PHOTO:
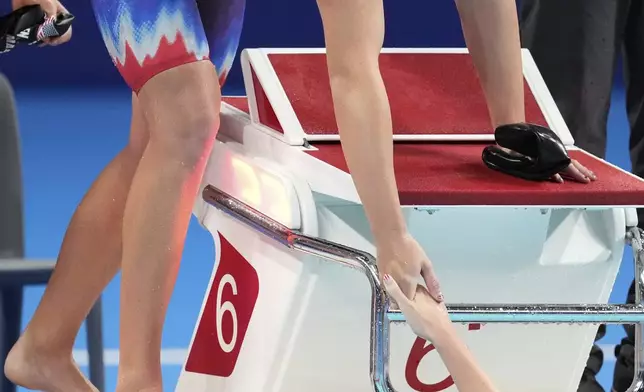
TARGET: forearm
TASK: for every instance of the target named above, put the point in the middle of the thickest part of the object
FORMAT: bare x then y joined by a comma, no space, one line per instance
491,30
461,364
364,121
354,33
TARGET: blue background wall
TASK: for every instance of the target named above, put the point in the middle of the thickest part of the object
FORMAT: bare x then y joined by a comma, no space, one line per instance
269,23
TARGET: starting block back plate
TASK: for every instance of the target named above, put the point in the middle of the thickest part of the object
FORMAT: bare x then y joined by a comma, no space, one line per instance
434,94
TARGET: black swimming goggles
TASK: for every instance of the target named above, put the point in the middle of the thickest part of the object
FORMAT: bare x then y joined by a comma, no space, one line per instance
29,25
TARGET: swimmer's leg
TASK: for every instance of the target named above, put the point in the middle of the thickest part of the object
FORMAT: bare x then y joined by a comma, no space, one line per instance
89,258
491,29
180,95
181,106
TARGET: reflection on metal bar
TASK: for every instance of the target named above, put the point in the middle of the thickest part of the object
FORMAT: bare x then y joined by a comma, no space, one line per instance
537,313
382,316
379,334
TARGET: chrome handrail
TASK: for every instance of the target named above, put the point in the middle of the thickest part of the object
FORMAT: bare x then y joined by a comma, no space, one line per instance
382,315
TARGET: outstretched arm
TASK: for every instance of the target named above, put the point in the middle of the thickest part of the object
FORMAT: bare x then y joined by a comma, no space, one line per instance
491,30
459,361
354,33
430,321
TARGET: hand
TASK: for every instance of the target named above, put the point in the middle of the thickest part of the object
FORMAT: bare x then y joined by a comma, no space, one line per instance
404,259
574,172
426,317
51,8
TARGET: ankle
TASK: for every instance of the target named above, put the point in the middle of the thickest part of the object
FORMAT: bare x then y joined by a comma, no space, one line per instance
139,382
132,377
34,344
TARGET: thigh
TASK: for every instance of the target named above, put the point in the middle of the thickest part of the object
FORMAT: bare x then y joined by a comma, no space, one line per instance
574,44
353,34
147,37
222,22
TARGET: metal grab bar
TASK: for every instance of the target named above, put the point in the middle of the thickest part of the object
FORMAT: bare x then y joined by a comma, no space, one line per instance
382,315
539,313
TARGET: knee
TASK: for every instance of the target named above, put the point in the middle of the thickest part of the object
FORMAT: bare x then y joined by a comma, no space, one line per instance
195,135
192,141
351,73
348,68
182,114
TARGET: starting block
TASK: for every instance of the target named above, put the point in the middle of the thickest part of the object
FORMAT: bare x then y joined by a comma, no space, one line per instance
294,301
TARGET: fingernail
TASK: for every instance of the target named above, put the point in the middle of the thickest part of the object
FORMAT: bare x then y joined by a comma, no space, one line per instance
387,278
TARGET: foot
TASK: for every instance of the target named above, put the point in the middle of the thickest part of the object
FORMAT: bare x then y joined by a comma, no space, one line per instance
32,369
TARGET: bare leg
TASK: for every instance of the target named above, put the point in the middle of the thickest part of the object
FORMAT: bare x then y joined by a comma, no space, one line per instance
354,33
181,106
491,29
89,258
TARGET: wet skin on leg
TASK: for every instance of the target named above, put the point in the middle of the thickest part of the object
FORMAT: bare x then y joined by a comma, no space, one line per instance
89,258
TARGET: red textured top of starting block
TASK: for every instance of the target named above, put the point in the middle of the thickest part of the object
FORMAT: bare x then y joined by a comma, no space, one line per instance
430,93
240,103
454,174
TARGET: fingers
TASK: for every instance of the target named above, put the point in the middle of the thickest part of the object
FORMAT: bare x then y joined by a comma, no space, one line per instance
431,281
395,292
408,287
60,40
576,172
55,41
585,171
572,172
51,8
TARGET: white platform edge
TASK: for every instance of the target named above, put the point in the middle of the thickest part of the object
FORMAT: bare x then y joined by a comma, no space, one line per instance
255,61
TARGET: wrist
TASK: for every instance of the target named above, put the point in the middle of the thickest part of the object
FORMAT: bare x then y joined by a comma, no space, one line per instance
391,238
442,334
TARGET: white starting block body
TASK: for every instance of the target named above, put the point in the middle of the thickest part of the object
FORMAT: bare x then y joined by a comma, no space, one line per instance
279,320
